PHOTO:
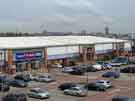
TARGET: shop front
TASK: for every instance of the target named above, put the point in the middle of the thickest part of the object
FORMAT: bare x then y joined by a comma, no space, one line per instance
63,59
2,60
88,53
26,60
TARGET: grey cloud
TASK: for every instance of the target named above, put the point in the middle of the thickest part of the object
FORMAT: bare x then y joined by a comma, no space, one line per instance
67,15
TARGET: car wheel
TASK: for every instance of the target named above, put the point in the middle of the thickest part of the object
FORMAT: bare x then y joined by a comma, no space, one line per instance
65,93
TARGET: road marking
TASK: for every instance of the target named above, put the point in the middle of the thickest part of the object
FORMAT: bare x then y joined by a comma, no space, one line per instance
52,83
123,87
114,91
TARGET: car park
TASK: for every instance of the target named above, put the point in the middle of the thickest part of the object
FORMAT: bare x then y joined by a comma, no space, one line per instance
38,93
15,97
122,98
76,91
66,85
47,77
111,74
18,83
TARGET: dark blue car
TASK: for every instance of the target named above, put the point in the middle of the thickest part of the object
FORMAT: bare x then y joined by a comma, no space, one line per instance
122,98
111,74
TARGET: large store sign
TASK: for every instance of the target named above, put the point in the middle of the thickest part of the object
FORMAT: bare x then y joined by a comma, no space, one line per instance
28,55
62,56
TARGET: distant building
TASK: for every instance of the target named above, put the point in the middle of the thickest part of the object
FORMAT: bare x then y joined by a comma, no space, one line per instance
106,30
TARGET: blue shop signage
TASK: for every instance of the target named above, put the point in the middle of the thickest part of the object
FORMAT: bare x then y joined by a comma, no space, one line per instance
19,56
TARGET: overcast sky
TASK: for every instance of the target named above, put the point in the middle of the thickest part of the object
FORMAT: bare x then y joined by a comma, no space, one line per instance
67,15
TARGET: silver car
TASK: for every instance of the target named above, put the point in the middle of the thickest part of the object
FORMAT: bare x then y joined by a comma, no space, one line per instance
38,93
104,83
76,91
45,78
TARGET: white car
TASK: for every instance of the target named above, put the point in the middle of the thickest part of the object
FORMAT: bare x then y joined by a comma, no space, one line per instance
107,66
38,93
104,83
67,69
57,65
45,78
97,66
76,91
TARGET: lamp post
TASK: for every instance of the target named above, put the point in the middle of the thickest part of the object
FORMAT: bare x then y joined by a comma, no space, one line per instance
87,79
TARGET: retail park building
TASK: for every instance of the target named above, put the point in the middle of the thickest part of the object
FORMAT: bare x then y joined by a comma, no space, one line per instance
26,53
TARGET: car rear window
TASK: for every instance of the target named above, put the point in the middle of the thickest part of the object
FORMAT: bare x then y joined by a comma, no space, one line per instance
100,82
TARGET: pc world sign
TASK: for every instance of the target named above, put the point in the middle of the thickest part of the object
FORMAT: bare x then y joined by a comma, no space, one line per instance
28,55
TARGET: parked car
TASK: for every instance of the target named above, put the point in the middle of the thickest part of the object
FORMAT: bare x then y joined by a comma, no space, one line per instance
67,86
57,65
4,87
15,97
38,93
18,83
105,65
118,61
5,79
88,68
122,98
111,74
97,66
93,86
77,71
72,63
128,70
24,77
105,83
76,91
67,69
47,77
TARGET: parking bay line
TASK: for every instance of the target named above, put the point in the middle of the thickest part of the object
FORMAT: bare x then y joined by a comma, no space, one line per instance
122,87
113,91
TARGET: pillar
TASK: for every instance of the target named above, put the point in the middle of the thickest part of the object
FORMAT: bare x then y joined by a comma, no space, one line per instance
29,67
11,67
94,53
79,48
84,54
65,62
46,60
114,49
117,49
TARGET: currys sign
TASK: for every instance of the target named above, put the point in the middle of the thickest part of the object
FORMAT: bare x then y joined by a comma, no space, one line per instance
28,55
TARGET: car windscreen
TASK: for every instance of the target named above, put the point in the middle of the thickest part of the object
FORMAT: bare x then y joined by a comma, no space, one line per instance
119,60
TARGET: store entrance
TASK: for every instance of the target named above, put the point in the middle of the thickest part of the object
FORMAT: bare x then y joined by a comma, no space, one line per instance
27,66
20,67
